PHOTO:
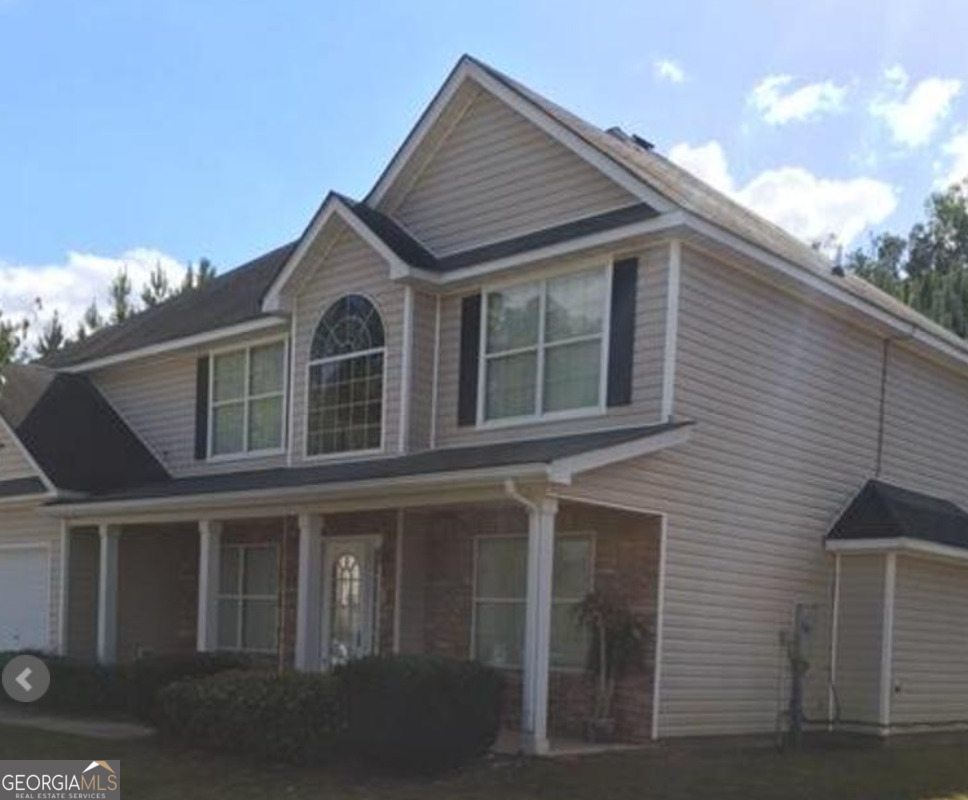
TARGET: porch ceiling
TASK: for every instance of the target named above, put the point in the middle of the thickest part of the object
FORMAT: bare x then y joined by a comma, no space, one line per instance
553,459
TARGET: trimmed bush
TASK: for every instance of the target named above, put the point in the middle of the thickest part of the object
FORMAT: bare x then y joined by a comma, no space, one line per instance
145,677
420,713
295,717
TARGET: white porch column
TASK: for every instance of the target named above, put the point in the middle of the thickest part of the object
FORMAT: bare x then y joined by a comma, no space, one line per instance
309,592
209,561
537,634
65,588
107,595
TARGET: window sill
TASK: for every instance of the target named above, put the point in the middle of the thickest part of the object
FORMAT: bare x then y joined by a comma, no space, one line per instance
540,419
223,458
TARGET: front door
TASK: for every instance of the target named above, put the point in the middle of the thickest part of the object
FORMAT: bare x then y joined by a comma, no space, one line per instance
349,593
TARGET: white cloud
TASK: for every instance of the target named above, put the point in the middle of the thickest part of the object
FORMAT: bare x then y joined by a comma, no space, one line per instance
808,206
778,104
955,151
70,286
668,70
914,117
705,161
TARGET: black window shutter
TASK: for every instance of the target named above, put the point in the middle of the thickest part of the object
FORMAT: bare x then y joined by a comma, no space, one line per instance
470,345
621,334
201,409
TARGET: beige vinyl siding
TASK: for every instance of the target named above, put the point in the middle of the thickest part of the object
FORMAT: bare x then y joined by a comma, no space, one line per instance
650,333
422,369
926,427
350,266
496,176
859,638
930,667
28,525
156,397
785,398
13,463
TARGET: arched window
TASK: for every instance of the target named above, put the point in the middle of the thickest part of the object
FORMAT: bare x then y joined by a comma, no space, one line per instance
346,363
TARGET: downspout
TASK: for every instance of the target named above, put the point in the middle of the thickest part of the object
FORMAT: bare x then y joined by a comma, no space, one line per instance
511,490
882,400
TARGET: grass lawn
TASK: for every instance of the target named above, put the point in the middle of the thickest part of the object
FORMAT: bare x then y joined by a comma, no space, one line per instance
151,771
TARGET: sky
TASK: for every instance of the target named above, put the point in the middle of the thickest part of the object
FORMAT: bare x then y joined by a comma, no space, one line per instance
135,132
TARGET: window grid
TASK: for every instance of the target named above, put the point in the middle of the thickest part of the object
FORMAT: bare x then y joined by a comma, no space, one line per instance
245,400
540,349
521,601
345,389
239,597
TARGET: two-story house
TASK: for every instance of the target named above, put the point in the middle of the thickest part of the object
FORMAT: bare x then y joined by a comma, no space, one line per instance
536,360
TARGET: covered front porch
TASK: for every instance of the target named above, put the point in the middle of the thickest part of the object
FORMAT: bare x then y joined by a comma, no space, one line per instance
492,575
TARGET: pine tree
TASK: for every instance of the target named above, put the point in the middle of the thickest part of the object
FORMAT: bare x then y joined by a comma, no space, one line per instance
120,293
157,289
51,337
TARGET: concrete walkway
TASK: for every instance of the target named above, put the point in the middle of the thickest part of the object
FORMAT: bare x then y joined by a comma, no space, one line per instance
92,728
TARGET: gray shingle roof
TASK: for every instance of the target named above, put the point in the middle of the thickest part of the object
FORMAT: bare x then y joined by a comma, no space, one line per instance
230,299
444,460
884,511
71,431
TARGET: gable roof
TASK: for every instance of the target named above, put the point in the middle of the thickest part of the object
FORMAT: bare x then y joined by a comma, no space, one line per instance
232,298
71,432
885,511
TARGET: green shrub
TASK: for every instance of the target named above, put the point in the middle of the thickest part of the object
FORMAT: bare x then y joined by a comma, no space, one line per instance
294,717
420,713
82,687
76,687
144,677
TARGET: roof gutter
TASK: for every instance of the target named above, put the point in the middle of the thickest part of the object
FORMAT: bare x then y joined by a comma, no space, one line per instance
900,544
285,497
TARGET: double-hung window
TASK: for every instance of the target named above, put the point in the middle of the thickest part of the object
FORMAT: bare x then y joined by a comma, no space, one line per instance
248,388
247,597
545,346
500,589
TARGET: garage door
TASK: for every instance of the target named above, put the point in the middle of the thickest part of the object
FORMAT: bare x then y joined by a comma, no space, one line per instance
24,599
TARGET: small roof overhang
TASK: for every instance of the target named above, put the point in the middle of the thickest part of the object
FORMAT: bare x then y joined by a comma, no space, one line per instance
886,518
548,460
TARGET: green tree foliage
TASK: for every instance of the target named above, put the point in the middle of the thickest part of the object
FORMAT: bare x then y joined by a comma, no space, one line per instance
52,336
12,336
157,289
927,269
197,275
120,294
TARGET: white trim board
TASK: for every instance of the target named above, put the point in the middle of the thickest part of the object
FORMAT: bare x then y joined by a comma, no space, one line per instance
332,206
182,343
469,69
903,545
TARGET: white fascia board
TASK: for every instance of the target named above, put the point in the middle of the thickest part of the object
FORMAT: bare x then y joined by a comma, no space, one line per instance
468,70
660,224
185,342
333,206
903,327
914,547
285,497
563,470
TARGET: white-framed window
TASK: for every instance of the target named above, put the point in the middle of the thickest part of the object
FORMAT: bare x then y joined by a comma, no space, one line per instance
545,347
345,385
500,590
248,597
247,400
